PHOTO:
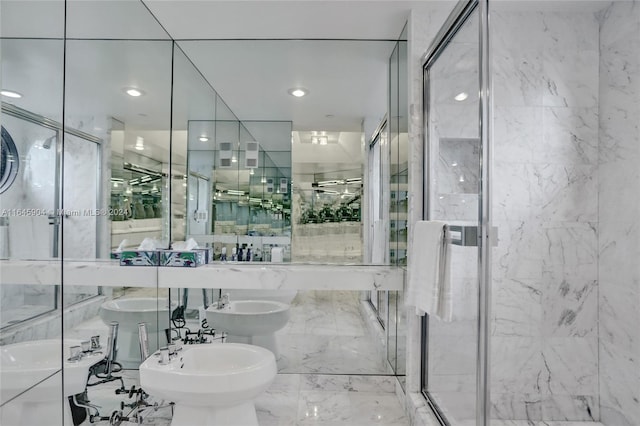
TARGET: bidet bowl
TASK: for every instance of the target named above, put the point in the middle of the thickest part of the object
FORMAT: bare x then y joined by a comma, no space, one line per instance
25,364
249,317
129,312
210,374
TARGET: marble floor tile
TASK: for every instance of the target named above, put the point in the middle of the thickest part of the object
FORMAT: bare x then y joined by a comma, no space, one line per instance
292,399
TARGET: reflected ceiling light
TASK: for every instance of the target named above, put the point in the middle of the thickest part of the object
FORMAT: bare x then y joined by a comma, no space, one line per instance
10,94
461,179
298,92
235,192
234,159
251,172
263,180
139,143
454,164
319,138
203,138
133,91
461,96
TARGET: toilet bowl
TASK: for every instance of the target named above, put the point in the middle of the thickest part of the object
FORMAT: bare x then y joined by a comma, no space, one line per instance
128,313
25,364
250,321
211,384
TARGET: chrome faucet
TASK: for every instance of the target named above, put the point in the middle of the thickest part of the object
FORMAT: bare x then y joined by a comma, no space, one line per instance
223,301
75,353
167,353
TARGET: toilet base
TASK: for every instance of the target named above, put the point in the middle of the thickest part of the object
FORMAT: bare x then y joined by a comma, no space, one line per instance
267,341
128,354
237,415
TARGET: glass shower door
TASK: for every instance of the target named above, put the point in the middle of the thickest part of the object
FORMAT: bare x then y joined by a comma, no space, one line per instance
28,226
453,161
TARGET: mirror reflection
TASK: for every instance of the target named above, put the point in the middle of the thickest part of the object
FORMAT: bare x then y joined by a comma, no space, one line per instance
160,146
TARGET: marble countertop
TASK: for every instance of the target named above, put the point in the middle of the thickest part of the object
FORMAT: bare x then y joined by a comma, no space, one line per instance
109,273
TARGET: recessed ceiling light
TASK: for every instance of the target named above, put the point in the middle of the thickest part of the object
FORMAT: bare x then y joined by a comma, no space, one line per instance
203,138
133,91
10,94
298,92
461,96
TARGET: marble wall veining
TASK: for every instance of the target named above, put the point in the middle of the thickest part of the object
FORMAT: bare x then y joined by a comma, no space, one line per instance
619,210
544,329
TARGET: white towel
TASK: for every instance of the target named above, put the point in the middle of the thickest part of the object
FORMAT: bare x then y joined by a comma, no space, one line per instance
429,288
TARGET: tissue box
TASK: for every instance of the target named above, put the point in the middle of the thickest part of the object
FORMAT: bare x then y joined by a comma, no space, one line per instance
139,258
208,254
189,259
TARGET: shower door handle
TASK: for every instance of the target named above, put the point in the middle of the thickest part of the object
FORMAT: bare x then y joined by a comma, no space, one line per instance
53,219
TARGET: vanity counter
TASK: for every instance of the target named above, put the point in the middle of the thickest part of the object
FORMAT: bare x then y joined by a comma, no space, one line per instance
289,276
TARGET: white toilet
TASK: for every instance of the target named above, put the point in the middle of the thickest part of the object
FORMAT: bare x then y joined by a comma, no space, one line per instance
129,313
211,384
24,364
250,321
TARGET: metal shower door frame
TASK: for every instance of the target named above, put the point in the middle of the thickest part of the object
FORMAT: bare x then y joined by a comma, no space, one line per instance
460,14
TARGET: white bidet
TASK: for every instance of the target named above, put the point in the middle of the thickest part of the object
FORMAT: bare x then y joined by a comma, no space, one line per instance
128,313
250,321
25,364
211,384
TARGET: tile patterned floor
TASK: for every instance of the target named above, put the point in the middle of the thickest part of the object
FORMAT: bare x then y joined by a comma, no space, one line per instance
295,400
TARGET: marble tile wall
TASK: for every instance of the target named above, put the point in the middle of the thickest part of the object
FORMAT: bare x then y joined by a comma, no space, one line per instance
544,360
619,210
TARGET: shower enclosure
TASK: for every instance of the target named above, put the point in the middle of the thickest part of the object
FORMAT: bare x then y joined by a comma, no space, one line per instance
32,209
531,138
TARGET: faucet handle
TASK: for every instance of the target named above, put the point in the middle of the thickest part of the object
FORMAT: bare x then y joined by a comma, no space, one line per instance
164,355
95,343
74,353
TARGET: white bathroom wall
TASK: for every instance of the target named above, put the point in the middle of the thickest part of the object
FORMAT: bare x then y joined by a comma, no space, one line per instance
544,329
619,210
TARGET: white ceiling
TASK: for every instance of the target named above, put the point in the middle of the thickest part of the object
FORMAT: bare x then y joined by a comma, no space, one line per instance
289,19
347,80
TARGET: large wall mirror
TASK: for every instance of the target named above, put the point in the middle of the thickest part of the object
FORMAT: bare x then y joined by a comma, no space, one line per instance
160,139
